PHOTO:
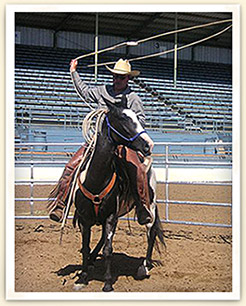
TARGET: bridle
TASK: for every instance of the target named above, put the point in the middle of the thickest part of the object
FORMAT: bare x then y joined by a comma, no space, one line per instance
110,127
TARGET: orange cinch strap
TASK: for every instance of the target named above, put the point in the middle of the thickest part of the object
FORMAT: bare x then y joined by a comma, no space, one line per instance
97,199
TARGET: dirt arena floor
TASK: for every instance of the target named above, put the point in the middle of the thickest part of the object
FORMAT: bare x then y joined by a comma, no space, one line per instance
196,258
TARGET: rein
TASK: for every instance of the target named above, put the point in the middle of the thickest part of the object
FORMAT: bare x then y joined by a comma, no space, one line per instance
110,127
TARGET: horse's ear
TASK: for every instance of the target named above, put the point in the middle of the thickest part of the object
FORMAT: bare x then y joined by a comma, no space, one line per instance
122,103
114,110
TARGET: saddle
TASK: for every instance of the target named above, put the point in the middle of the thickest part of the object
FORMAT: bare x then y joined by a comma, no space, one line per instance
123,173
136,168
131,175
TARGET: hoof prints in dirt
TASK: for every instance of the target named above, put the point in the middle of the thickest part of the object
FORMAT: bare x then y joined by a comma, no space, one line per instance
198,237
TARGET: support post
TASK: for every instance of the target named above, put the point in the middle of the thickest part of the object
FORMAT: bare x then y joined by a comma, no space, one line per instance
96,48
167,185
31,183
175,52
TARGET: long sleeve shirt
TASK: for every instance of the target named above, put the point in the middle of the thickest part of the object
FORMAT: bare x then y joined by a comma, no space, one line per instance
98,93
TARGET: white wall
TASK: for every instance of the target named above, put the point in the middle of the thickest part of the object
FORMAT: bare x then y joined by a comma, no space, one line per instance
175,174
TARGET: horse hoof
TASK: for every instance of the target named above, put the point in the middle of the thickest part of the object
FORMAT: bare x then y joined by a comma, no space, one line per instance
83,279
108,288
142,272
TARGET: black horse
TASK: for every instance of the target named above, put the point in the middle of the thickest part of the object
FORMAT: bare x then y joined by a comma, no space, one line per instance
103,194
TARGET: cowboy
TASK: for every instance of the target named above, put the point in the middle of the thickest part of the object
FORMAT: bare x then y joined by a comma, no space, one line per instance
122,73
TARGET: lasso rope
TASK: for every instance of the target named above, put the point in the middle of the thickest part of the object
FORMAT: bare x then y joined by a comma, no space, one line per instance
185,29
182,47
135,43
167,51
90,128
90,132
70,199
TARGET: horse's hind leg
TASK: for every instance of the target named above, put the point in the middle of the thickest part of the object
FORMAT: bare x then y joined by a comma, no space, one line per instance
108,251
153,230
143,270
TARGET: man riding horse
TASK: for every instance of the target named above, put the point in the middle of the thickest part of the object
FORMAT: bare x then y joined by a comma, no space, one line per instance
122,73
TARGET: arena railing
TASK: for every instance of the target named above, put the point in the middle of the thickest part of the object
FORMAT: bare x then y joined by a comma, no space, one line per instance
162,160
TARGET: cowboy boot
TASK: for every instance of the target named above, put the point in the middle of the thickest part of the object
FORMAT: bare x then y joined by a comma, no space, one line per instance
63,186
137,173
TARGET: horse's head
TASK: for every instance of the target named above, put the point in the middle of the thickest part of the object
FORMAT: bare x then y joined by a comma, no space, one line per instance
124,128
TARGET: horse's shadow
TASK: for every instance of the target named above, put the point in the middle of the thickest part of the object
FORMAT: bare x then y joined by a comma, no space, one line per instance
122,265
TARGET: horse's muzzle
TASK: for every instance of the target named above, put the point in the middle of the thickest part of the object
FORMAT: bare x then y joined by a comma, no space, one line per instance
146,150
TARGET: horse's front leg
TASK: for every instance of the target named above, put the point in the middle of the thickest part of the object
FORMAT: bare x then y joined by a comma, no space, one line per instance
86,235
96,250
110,226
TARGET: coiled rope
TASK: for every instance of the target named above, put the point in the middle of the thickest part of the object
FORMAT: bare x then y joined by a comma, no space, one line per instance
92,124
91,127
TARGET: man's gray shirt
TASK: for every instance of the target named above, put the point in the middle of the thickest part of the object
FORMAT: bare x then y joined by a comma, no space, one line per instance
97,93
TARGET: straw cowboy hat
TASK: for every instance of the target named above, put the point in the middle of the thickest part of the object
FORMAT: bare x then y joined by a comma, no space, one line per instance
123,67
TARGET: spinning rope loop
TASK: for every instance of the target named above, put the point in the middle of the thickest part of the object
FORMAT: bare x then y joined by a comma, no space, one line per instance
136,43
167,51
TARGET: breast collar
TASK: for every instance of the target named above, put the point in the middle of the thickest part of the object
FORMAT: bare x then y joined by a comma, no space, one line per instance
97,199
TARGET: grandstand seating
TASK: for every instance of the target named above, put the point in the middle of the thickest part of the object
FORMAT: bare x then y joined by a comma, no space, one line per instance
44,93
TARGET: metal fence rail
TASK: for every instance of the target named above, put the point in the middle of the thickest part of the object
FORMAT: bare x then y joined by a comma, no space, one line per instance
167,164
